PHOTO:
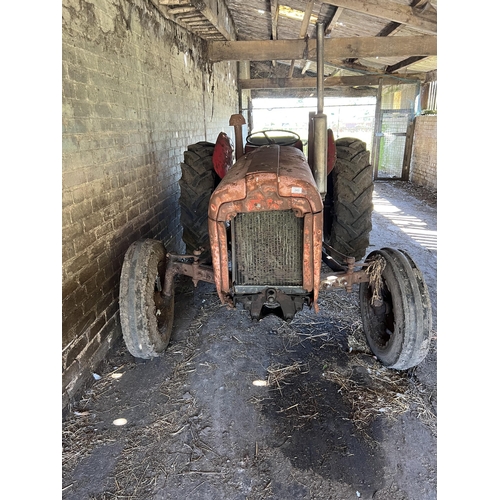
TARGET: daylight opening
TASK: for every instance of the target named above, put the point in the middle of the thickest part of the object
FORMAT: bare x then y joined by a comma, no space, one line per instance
346,116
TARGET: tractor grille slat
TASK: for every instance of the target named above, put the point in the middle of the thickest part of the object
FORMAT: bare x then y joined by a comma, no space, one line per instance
268,248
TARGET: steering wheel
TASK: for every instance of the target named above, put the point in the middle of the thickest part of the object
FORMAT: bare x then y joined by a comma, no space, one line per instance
280,137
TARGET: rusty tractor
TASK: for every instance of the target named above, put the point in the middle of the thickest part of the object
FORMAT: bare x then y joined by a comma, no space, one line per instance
260,229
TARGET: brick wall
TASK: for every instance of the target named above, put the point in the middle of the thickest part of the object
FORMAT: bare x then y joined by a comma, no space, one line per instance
136,91
423,166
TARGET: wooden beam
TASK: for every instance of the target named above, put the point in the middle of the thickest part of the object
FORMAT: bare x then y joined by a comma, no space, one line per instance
306,19
214,11
303,29
256,50
335,18
403,64
274,18
356,67
335,48
393,28
304,93
390,29
212,16
331,81
181,10
431,76
274,22
425,21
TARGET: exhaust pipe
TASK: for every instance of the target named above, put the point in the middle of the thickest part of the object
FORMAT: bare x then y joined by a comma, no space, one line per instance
320,119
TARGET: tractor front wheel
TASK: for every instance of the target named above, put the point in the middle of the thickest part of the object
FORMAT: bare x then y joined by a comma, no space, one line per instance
396,309
146,315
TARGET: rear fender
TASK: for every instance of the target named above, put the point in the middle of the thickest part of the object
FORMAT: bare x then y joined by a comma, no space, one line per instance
222,158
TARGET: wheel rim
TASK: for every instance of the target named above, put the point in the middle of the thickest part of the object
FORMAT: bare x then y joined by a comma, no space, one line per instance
382,314
163,303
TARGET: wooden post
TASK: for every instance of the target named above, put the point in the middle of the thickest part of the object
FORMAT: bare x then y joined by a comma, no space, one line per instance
405,173
245,95
377,132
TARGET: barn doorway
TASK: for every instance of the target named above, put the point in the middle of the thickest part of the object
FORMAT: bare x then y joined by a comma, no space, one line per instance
393,130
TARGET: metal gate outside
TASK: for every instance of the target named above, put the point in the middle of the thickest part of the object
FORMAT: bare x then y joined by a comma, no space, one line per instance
393,118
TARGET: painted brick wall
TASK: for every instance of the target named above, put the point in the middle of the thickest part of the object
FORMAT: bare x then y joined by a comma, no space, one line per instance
136,91
423,166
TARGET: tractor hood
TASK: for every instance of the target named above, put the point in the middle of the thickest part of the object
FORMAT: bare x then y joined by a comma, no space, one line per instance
269,178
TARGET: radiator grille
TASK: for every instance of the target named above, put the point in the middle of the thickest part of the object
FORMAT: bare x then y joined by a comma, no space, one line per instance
268,248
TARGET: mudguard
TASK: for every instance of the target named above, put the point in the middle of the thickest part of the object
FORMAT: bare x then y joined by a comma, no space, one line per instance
222,158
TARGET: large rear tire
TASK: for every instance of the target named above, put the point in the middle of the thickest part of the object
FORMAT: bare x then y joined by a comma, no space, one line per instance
197,184
398,325
146,317
352,185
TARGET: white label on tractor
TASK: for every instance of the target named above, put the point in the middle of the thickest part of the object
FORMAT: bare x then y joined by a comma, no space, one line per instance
296,190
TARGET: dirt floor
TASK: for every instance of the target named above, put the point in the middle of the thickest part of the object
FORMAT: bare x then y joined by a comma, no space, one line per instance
237,409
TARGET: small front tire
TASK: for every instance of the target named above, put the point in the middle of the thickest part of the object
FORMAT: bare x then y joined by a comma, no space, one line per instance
146,316
398,326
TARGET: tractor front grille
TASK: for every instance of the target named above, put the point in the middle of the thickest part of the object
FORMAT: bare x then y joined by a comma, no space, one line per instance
268,248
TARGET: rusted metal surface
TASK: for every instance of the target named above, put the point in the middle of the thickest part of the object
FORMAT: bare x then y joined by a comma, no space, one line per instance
343,280
271,297
237,121
249,147
269,178
195,270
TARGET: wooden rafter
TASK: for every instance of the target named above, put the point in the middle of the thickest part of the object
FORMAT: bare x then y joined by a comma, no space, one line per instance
392,28
335,19
274,22
181,10
198,15
356,67
403,64
303,29
419,18
275,10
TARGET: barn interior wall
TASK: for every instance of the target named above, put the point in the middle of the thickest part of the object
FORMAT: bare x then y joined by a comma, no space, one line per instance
137,89
423,165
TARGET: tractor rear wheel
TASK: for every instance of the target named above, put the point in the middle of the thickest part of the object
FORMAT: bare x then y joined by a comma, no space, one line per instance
197,184
146,316
396,311
352,185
